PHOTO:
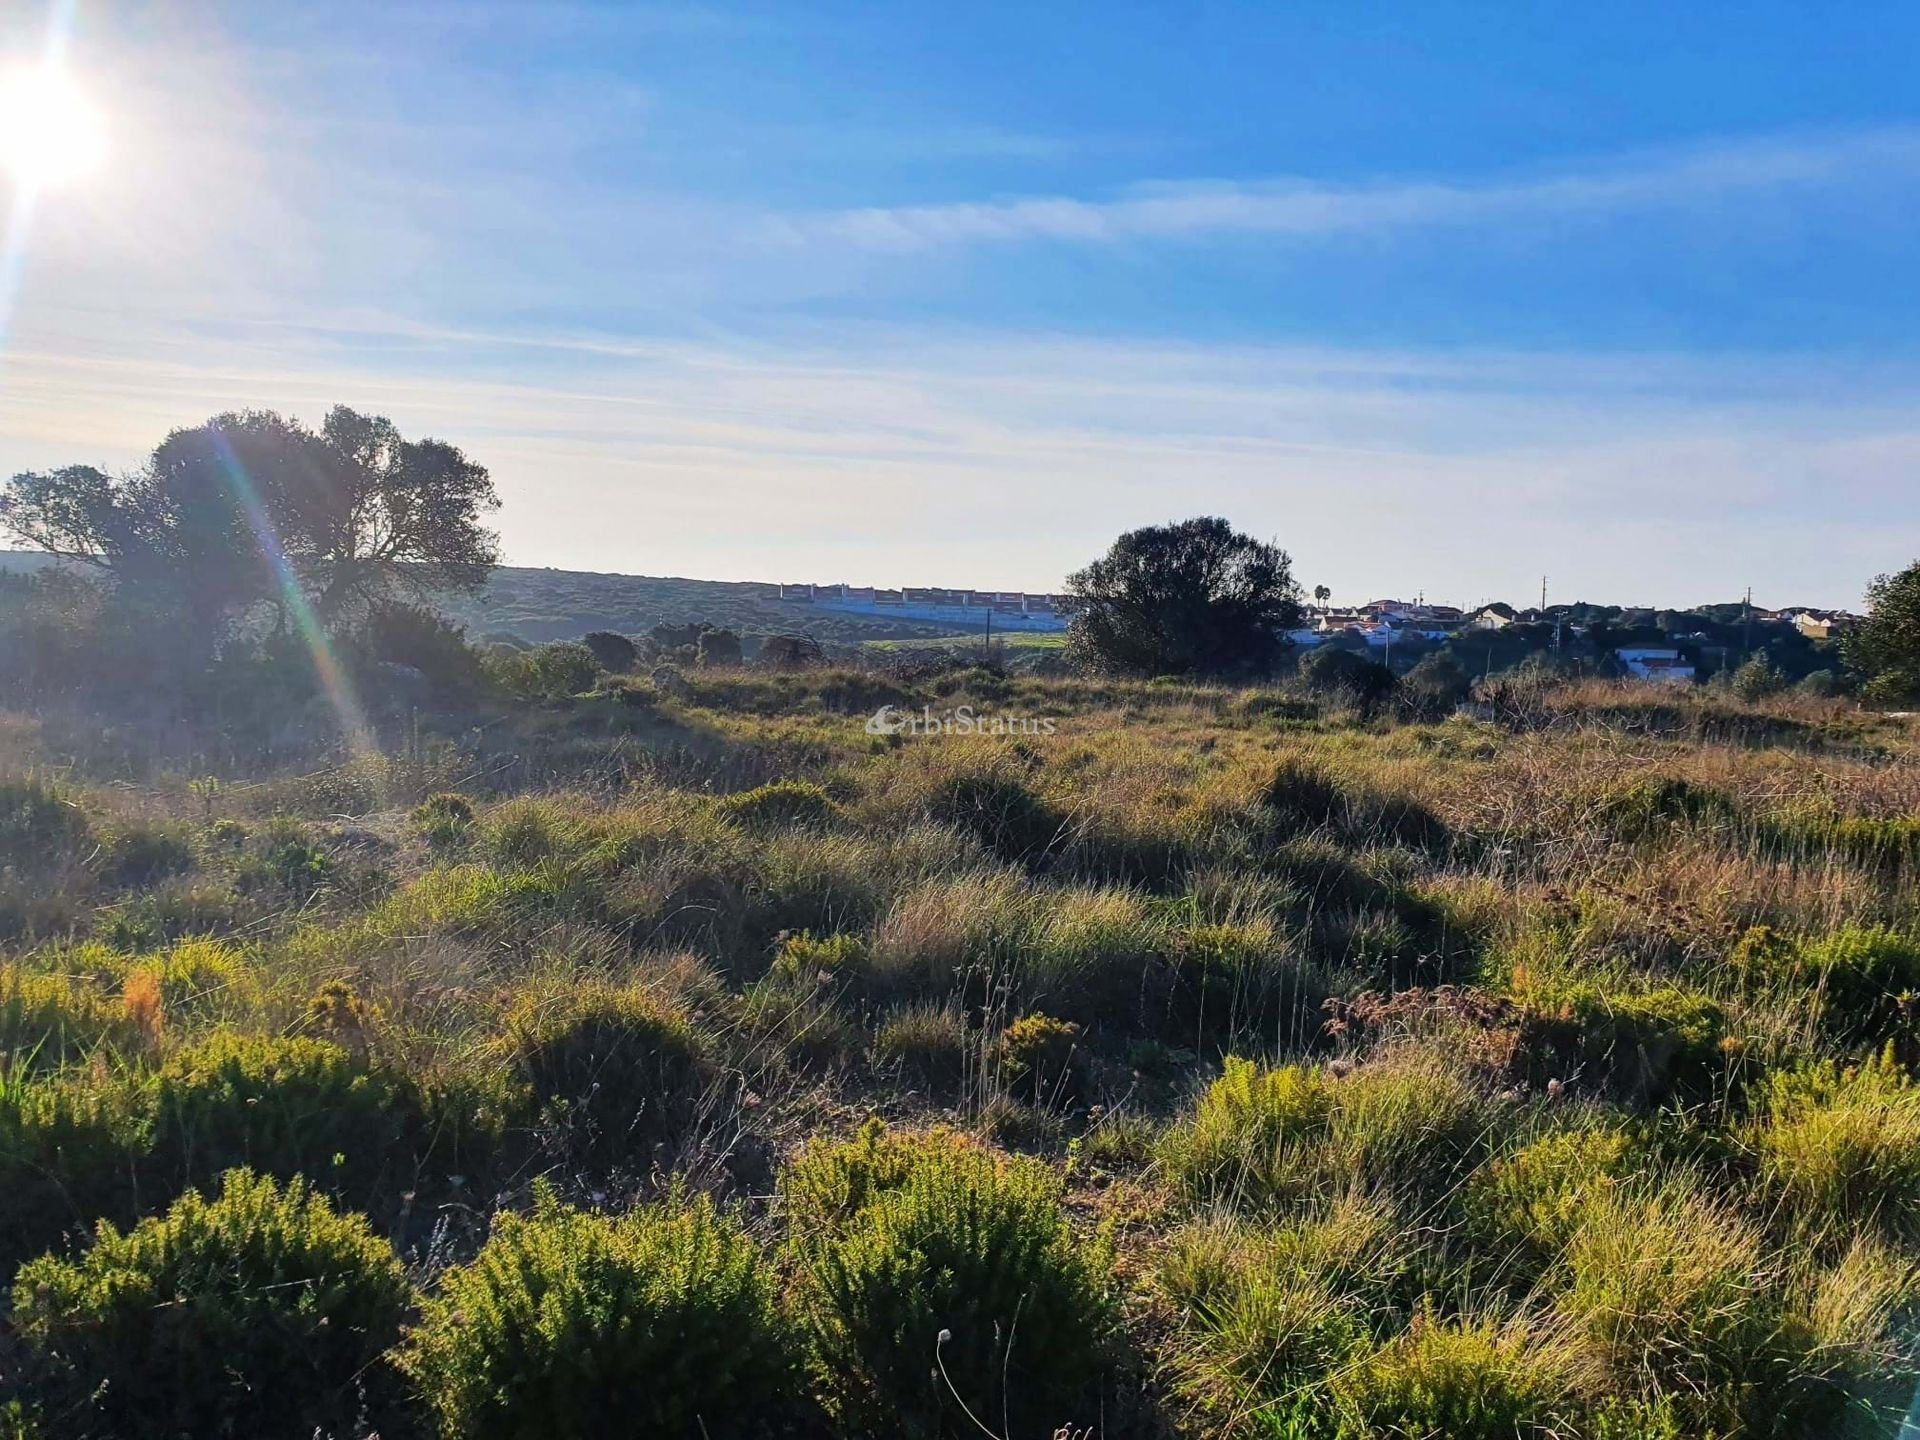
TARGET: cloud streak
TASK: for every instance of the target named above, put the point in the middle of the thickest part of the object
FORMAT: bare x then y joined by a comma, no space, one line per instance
1304,209
1009,459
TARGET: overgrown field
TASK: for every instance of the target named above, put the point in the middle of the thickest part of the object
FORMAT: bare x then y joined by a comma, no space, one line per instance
1220,1063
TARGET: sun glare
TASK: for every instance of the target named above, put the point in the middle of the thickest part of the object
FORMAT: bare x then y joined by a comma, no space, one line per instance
50,132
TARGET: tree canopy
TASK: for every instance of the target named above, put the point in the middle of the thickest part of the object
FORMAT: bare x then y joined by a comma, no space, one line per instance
1194,598
251,507
1886,647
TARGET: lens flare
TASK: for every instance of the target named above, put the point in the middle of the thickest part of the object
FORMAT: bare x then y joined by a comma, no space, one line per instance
51,134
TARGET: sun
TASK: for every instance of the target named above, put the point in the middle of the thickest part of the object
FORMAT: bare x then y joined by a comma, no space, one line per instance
50,132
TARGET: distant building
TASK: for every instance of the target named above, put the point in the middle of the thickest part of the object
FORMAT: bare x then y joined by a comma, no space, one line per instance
1821,624
1647,663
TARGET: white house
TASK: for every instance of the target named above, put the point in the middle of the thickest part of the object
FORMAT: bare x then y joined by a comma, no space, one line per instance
1665,666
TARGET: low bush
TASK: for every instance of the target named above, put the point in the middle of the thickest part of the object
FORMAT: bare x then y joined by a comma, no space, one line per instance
1000,809
1637,1045
1269,1316
1862,982
547,672
953,1294
1273,1137
137,855
1346,676
1649,807
1841,1147
1529,1200
286,1106
1042,1059
577,1326
609,1072
1461,1379
1673,1291
69,1146
40,825
783,802
445,820
1250,1133
259,1312
1241,982
927,1041
611,650
47,1021
1303,794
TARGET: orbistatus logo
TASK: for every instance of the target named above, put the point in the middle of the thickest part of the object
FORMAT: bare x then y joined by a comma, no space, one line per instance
960,720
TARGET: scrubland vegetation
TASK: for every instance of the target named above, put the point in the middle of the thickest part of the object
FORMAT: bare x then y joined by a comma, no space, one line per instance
593,1055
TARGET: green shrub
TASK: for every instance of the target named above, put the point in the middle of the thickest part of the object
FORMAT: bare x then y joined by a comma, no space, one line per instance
828,1183
1435,687
47,1021
39,825
611,650
1249,1134
1531,1198
1841,1147
445,820
611,1072
1758,678
286,1106
68,1149
1042,1059
1000,809
260,1312
1304,794
955,1292
1462,1380
1241,981
783,802
927,1041
1863,981
547,672
1344,675
1260,1138
1671,1288
1639,1045
577,1326
804,958
142,854
1268,1316
1647,808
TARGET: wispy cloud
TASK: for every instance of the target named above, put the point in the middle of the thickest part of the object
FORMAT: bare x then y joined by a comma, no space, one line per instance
1008,459
1286,207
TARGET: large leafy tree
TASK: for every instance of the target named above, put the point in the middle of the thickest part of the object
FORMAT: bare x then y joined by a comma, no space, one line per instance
249,506
1885,649
385,516
1196,598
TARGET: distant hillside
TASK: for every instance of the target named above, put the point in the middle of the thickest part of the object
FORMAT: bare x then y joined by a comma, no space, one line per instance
540,605
564,604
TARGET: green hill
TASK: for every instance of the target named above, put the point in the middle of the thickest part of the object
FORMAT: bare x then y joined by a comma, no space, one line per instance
541,605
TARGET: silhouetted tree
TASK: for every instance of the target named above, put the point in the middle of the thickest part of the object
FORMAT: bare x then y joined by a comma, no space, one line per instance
611,651
386,516
1436,685
1328,670
253,507
1885,650
719,647
1196,598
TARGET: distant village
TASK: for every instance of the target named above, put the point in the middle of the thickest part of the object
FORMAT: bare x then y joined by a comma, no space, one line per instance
1637,642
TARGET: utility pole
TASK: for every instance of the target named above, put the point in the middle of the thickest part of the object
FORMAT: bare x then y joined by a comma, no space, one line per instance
1543,595
1746,624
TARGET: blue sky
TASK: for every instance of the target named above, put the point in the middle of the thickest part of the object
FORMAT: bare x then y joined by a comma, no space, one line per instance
1441,296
